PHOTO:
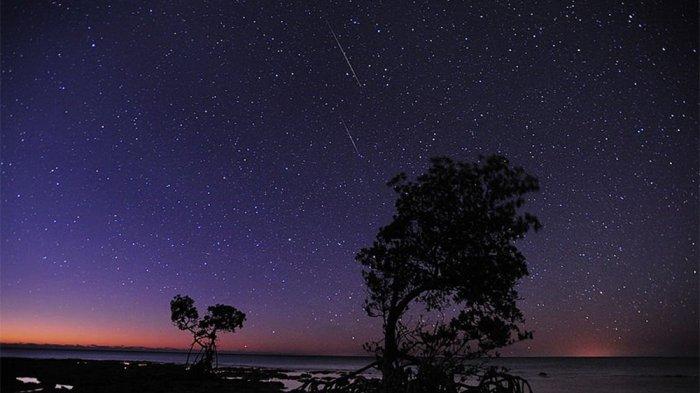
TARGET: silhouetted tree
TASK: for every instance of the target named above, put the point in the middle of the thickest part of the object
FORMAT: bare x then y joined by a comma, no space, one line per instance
449,252
219,318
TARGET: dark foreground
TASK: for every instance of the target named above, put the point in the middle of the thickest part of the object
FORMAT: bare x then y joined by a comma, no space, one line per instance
57,375
270,373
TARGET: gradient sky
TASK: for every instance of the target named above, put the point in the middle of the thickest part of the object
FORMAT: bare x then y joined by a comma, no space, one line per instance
150,150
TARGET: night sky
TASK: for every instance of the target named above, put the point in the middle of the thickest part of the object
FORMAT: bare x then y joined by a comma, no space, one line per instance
238,152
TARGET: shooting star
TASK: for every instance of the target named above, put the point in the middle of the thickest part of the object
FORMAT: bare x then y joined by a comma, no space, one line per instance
351,139
354,75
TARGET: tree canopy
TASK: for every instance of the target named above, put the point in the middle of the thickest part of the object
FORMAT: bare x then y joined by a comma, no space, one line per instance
219,318
450,248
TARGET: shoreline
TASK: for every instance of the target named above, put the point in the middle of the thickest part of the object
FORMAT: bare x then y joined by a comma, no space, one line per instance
19,374
574,375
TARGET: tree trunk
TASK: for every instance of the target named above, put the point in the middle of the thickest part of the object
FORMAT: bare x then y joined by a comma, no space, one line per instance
390,357
391,373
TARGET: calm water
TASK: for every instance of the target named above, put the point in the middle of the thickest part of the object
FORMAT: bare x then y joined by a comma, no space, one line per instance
570,375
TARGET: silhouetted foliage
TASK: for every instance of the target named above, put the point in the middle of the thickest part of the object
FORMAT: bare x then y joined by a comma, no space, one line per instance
219,318
449,252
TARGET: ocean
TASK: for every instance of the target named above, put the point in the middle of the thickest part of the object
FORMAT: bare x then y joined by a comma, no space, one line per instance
570,375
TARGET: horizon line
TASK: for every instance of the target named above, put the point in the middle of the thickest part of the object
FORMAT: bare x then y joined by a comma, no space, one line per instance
89,347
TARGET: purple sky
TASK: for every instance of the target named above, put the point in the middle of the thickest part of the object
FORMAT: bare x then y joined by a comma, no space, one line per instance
150,150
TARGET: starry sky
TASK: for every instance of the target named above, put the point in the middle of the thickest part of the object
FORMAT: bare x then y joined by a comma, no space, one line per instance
238,152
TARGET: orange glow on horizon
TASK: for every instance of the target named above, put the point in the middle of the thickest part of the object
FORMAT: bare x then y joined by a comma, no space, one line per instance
70,331
82,335
591,349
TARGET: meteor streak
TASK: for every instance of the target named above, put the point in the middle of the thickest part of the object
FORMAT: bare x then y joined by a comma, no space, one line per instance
351,139
354,75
